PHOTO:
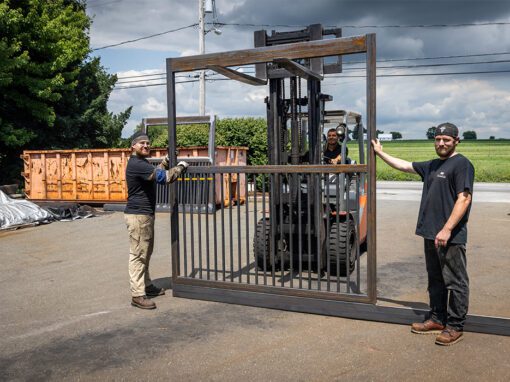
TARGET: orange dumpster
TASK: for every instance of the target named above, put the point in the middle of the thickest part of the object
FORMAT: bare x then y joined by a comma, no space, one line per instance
98,175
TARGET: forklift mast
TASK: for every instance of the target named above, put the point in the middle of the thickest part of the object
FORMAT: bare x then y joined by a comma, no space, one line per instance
303,114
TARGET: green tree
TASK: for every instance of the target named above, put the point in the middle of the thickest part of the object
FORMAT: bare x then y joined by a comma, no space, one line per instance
469,134
82,117
395,135
431,132
187,135
249,132
355,132
51,94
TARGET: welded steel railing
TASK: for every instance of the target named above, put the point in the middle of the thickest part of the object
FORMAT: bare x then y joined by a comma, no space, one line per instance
301,231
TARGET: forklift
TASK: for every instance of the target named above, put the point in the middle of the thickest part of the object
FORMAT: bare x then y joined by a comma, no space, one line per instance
333,206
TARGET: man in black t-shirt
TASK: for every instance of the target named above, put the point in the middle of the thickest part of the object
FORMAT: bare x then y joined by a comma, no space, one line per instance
442,222
333,150
141,179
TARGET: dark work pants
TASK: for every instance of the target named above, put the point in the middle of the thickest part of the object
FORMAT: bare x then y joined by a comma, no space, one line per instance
448,283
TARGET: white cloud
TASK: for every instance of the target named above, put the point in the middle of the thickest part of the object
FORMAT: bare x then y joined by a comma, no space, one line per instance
152,105
406,104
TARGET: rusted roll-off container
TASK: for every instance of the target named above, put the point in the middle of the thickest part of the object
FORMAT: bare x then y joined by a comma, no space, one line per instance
99,175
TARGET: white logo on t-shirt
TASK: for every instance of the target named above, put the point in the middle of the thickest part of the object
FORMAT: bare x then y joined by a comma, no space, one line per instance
441,175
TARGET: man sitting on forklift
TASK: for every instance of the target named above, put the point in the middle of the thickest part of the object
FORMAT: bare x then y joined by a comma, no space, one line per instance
333,151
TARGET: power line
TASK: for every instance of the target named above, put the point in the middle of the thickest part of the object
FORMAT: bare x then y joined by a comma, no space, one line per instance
164,83
380,60
146,37
433,58
427,74
349,76
153,79
433,65
353,69
304,26
369,26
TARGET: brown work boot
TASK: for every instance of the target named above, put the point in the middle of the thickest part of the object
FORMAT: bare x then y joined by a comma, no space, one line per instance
449,337
154,291
143,302
427,327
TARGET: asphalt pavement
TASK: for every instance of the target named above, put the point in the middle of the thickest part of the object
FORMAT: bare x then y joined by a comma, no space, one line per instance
65,312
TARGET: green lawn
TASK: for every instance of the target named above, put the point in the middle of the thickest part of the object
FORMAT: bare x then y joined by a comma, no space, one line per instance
491,158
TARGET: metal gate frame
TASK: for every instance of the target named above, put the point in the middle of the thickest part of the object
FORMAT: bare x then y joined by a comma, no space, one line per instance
363,307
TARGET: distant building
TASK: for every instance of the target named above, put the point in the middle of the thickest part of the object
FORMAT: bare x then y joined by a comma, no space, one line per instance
385,137
381,137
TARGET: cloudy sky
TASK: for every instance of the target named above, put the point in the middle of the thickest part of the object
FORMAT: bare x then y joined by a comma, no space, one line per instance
412,95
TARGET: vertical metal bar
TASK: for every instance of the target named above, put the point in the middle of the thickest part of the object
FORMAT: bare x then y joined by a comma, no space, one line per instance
230,230
264,226
300,235
272,223
291,230
337,218
254,179
371,203
206,204
239,246
172,138
282,238
348,221
185,240
215,224
318,228
358,228
198,197
247,218
222,193
192,223
328,233
309,227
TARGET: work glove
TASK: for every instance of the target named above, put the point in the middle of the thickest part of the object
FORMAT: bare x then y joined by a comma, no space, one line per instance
166,163
184,165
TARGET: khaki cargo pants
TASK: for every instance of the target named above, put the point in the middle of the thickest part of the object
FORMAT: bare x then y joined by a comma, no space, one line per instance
141,243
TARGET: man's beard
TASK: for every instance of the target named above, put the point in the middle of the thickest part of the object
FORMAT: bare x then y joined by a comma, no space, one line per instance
444,152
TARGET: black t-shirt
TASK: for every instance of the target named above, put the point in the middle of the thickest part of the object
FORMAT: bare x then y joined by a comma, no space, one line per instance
141,190
443,180
332,154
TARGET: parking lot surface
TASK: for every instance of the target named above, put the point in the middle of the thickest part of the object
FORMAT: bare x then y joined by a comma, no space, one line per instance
65,313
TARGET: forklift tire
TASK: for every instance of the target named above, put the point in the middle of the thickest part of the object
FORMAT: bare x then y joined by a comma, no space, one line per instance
262,246
342,243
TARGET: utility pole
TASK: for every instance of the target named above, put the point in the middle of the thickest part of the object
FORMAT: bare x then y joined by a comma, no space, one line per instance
201,48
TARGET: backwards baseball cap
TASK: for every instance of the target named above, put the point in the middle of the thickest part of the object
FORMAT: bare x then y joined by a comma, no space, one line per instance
447,128
138,137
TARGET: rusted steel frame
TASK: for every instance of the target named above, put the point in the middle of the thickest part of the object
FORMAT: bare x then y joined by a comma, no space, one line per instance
237,76
353,310
297,69
323,295
274,169
371,203
172,153
308,49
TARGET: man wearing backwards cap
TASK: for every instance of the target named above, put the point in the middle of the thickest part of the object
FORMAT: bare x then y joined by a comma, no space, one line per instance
442,222
141,178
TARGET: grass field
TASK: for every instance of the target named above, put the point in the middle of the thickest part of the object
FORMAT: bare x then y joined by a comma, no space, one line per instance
491,158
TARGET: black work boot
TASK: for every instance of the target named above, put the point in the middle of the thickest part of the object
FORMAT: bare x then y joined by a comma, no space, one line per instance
153,291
